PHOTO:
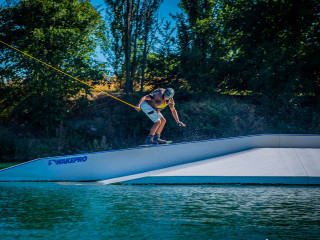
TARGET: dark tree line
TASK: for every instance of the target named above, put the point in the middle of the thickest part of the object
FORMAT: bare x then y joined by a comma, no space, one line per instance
258,47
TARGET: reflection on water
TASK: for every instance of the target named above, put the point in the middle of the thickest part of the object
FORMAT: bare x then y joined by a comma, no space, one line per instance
53,211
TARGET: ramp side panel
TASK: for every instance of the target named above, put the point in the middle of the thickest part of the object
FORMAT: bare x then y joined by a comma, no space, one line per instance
111,164
128,162
34,170
299,141
265,141
190,180
314,180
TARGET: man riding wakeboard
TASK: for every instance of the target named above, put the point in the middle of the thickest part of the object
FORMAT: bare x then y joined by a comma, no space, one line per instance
151,105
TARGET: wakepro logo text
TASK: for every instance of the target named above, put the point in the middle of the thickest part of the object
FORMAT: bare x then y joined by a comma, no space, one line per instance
68,160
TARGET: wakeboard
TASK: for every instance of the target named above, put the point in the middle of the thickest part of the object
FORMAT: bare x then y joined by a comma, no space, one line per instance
154,145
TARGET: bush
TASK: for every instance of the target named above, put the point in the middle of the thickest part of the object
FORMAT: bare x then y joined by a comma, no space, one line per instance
7,145
105,124
216,117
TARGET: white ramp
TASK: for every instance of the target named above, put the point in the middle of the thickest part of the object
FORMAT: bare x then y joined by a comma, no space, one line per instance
255,166
137,162
111,164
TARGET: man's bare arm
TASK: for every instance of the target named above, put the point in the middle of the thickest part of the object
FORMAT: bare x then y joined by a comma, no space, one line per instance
147,97
176,117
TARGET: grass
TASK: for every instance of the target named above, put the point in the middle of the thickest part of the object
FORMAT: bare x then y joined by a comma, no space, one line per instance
6,165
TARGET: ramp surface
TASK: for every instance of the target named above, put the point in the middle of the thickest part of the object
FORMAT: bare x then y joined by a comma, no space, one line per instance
254,166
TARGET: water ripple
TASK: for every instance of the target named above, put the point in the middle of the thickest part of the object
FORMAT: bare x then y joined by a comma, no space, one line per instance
52,211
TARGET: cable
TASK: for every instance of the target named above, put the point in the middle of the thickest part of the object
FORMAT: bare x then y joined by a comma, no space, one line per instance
67,74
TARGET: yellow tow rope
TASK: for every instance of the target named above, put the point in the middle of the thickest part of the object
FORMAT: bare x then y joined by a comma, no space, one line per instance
68,74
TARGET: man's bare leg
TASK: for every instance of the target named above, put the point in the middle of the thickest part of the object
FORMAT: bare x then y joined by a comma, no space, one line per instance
162,123
155,127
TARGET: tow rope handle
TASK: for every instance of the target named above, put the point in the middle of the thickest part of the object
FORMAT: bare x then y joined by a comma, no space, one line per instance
67,74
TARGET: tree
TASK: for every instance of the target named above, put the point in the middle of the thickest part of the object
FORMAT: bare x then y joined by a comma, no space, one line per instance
261,46
120,15
199,48
127,41
115,12
150,7
131,21
274,46
136,37
62,33
164,68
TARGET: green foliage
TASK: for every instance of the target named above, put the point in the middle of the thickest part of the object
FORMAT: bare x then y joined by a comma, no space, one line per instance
262,46
274,39
199,48
7,145
209,117
62,33
164,65
115,12
106,125
238,67
289,114
132,33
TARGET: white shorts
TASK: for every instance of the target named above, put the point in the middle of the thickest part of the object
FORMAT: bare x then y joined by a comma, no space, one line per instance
150,112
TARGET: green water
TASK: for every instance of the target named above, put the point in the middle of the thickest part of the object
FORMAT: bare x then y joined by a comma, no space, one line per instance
53,211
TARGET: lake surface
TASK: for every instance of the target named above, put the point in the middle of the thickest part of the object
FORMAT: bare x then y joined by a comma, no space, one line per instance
53,211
